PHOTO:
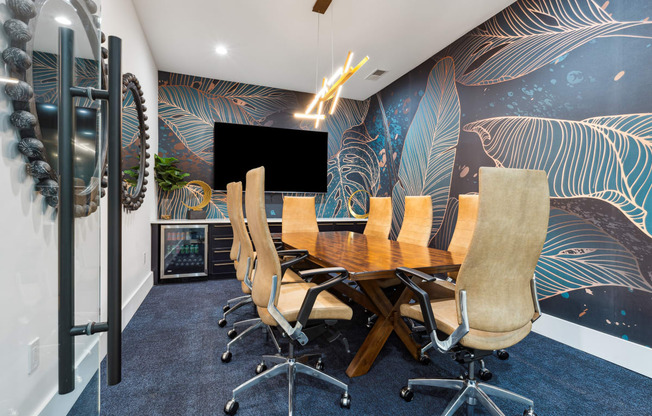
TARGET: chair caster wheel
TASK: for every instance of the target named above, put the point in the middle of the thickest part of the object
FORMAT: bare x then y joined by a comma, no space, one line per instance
529,412
424,359
221,323
232,333
319,365
226,357
485,375
502,354
407,394
261,368
231,407
345,401
226,308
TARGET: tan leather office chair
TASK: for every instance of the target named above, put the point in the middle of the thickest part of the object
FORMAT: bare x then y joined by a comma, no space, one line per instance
379,222
234,210
495,294
281,305
299,215
416,227
467,216
245,267
417,221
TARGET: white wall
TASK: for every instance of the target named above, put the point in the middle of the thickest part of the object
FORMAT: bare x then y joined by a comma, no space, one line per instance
28,247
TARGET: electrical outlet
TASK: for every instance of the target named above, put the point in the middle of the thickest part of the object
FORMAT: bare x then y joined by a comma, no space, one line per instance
144,257
33,352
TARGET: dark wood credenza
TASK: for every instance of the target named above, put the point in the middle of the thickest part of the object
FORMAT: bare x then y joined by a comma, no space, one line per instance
220,238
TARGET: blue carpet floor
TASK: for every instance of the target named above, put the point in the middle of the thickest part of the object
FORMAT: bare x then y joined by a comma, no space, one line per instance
172,366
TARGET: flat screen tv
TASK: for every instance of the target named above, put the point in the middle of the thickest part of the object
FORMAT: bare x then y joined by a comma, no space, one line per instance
294,160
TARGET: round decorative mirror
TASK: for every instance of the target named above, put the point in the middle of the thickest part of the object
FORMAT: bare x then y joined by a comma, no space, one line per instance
32,59
134,143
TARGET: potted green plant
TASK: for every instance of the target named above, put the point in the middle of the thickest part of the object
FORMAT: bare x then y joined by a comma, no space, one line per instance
166,173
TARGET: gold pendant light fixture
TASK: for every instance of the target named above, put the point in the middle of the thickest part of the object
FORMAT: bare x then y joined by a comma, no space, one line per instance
331,87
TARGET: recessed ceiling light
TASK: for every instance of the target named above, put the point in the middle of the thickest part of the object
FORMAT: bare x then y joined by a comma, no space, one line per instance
63,20
221,50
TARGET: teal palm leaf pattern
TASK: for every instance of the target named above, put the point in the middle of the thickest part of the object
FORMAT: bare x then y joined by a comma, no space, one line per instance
188,113
44,77
578,255
191,110
608,158
170,202
528,35
443,236
130,126
234,102
349,113
354,167
429,151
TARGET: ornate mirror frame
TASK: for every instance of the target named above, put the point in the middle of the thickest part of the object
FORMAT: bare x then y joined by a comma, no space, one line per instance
132,199
18,56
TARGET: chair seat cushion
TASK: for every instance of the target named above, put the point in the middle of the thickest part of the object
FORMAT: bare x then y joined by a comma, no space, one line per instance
291,277
327,306
445,312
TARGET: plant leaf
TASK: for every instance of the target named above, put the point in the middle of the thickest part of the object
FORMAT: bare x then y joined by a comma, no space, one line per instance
608,158
188,113
578,255
354,167
528,35
429,151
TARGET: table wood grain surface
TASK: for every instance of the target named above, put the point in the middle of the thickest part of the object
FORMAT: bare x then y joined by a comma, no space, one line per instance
369,259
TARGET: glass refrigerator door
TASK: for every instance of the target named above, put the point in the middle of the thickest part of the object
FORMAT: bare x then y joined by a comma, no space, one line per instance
183,251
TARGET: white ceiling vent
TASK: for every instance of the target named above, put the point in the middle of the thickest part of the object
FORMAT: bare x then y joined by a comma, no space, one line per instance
376,74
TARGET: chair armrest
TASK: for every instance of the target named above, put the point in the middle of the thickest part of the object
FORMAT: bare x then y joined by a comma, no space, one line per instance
299,255
295,332
535,299
248,272
429,317
313,292
421,295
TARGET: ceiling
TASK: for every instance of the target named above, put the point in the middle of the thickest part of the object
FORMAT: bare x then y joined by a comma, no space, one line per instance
276,43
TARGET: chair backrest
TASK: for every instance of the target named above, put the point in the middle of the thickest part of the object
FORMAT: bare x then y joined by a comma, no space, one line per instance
380,217
240,233
299,215
467,216
511,228
268,263
230,195
417,221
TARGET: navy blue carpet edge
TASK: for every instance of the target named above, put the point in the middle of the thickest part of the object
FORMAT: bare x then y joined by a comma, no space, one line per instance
171,366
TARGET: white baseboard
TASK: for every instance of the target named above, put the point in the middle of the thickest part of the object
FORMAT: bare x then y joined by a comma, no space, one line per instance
85,370
131,305
624,353
61,404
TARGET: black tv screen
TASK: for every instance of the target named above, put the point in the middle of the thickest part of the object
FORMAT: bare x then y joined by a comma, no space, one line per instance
294,160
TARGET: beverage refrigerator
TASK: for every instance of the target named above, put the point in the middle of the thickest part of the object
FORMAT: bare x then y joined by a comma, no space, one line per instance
184,251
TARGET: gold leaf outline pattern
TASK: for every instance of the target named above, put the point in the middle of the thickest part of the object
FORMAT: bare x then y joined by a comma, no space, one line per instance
528,35
607,158
578,255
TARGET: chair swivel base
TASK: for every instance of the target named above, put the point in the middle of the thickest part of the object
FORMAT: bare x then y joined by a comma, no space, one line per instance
471,392
257,323
289,366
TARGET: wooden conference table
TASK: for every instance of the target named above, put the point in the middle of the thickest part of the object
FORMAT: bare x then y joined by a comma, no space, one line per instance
368,260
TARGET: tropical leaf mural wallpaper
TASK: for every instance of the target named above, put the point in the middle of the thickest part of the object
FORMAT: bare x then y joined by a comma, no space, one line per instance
429,150
558,85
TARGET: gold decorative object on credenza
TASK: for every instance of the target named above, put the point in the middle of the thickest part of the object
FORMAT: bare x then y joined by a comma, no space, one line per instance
193,211
351,211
